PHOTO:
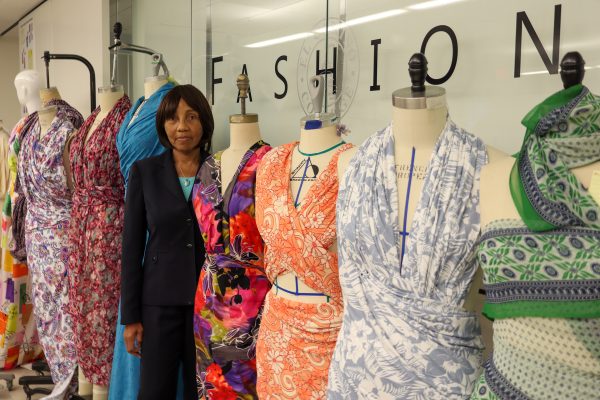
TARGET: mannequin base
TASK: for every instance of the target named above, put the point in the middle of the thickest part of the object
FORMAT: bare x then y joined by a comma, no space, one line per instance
89,390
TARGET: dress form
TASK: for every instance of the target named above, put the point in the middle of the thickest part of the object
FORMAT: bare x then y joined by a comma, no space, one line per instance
46,115
151,85
311,141
49,94
496,200
27,84
107,98
244,131
419,115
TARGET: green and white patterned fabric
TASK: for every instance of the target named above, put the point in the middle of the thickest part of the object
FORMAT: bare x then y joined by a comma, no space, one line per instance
542,273
563,132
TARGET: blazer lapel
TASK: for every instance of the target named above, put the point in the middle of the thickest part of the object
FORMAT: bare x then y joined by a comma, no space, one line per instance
170,174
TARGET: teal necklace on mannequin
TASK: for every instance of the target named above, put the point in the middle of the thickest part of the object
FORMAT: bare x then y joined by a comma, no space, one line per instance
335,146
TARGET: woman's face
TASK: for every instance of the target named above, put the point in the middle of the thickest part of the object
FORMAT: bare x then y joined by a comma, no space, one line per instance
184,130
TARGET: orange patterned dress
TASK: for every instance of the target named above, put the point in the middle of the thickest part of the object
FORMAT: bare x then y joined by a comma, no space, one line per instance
296,340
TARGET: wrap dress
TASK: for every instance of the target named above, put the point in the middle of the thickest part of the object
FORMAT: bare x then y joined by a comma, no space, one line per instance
44,183
296,340
405,334
233,283
95,241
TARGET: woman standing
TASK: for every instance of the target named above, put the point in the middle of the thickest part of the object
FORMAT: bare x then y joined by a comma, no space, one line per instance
160,274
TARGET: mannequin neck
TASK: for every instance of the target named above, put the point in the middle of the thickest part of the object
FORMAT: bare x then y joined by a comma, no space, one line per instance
151,85
316,140
243,135
418,128
46,115
107,101
49,94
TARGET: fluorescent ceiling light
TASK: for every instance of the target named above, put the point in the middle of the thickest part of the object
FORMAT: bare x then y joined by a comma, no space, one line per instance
431,4
362,20
282,39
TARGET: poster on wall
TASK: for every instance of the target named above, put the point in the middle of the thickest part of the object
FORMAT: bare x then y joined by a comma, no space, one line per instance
26,44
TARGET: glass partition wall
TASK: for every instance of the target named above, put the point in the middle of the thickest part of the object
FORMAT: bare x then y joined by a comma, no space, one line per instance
495,59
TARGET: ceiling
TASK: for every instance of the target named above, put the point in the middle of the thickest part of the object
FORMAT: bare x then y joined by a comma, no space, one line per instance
12,10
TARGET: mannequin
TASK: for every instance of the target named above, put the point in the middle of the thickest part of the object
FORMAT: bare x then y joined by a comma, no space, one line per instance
49,94
46,116
417,123
107,98
27,83
244,131
552,341
151,85
496,200
223,197
296,218
406,267
49,201
311,141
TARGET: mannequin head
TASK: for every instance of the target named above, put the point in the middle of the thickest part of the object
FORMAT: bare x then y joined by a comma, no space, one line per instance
27,84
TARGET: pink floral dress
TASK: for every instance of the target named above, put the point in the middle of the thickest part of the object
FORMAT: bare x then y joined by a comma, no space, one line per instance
95,241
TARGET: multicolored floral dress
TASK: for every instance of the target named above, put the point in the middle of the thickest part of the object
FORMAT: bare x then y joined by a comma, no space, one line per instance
296,339
95,241
42,174
233,283
19,343
542,273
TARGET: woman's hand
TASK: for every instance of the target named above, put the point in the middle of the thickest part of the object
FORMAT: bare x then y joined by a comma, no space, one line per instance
133,336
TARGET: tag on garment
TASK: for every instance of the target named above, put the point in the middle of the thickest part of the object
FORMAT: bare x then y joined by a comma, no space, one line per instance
594,189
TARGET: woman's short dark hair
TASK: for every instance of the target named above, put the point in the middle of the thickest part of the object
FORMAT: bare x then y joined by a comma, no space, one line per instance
196,100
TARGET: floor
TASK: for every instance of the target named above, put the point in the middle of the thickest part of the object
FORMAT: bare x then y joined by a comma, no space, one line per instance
17,392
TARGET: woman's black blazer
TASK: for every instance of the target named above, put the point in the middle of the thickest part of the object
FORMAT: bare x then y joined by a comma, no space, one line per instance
162,249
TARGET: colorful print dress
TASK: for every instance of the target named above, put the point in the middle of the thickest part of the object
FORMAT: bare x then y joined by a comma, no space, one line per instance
95,241
42,174
296,340
405,333
542,273
19,343
233,283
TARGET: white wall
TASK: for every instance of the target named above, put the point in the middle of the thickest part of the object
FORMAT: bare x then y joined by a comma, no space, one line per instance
73,27
10,110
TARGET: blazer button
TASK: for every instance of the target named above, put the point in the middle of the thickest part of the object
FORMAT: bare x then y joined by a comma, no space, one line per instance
188,220
189,245
154,258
